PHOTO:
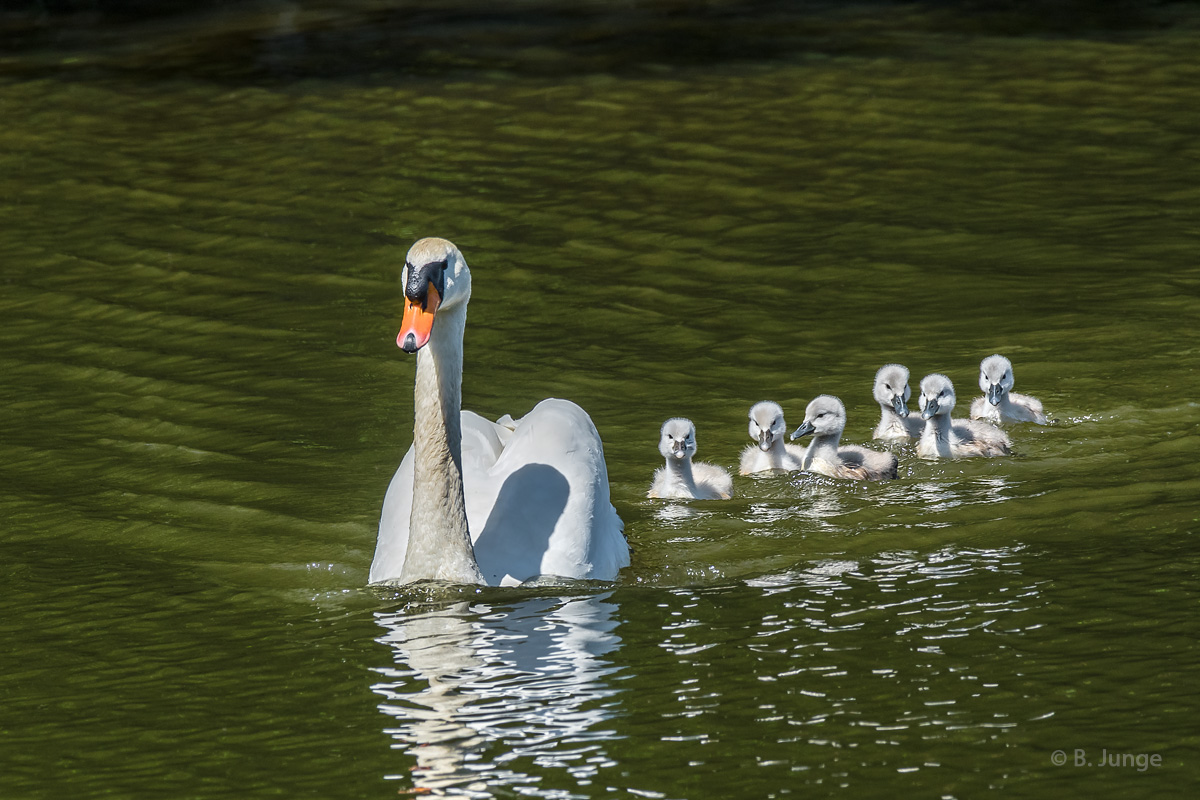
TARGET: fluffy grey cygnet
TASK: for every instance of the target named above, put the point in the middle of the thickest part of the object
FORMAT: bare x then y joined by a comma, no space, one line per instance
825,419
892,393
770,452
945,438
999,402
679,477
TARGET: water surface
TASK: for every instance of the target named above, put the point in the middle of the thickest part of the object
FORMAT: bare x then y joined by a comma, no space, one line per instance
203,405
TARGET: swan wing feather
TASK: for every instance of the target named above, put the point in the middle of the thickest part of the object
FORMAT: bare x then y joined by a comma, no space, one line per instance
543,507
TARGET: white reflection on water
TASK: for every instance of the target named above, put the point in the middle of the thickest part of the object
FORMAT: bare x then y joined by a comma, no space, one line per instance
676,513
823,577
476,688
942,495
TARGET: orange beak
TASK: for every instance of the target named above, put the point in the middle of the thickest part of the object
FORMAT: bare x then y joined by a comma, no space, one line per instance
418,321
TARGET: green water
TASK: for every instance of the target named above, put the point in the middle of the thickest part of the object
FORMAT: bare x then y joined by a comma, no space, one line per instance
202,405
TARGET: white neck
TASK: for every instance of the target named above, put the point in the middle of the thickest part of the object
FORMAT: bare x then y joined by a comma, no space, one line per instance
937,433
679,471
439,543
778,454
941,425
824,446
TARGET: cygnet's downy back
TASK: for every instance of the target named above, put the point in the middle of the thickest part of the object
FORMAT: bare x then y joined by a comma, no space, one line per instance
943,437
681,479
824,420
892,391
999,402
770,452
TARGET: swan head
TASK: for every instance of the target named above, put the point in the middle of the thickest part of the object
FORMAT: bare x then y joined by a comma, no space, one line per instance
435,278
677,439
995,378
825,415
937,395
891,388
766,424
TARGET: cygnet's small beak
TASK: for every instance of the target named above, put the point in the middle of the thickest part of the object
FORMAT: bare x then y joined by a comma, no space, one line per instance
931,408
764,440
898,404
805,429
995,392
417,324
678,450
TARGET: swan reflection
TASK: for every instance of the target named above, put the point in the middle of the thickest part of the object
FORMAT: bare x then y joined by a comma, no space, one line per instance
476,688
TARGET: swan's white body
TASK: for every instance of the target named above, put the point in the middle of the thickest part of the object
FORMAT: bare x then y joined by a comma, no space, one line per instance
771,453
680,477
945,438
999,402
475,501
892,392
825,419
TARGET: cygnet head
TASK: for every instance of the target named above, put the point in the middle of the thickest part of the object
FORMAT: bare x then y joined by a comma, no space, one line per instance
995,378
677,438
937,395
435,278
824,415
766,424
891,388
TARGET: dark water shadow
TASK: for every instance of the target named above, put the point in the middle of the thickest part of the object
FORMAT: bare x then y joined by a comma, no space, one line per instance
241,42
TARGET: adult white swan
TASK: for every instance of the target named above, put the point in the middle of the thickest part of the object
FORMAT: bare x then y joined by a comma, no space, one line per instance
483,502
